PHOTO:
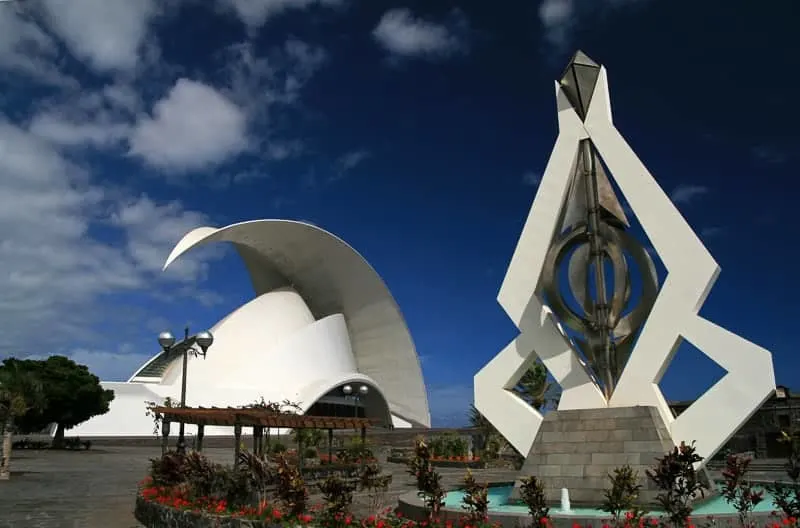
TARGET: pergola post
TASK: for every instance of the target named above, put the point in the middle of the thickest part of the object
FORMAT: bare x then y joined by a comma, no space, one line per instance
164,437
330,445
201,431
237,449
301,458
363,444
255,439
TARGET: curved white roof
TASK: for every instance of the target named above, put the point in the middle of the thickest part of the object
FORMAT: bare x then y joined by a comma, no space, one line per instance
333,278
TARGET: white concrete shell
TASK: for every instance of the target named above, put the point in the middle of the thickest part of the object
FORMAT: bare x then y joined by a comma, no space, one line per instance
321,318
692,271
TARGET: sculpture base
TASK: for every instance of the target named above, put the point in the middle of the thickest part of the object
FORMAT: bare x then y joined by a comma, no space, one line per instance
578,449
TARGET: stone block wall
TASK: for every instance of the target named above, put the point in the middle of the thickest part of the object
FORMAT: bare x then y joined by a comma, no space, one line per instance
578,449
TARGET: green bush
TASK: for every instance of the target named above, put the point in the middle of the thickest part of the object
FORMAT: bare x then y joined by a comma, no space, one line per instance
448,445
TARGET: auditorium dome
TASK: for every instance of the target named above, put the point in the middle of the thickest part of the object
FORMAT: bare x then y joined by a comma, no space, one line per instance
321,319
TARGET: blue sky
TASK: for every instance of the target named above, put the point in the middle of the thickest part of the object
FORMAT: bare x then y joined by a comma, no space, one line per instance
416,131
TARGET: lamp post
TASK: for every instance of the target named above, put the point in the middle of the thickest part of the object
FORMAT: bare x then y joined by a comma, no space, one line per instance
348,391
167,341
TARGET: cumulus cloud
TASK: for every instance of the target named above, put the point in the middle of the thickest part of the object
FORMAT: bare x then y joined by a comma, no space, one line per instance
403,34
82,249
57,268
559,18
192,128
254,13
26,49
107,34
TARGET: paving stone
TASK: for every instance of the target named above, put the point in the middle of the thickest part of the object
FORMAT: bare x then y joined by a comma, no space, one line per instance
97,488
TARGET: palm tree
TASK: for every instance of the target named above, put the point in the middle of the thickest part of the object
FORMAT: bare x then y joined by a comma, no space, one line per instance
19,392
536,389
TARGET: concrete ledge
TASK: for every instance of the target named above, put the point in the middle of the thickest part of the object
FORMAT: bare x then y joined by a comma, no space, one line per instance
412,507
467,464
153,515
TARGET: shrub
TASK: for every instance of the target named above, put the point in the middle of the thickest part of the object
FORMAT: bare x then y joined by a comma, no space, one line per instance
277,448
429,482
356,450
290,487
787,494
308,437
337,496
168,469
203,477
623,496
737,490
476,499
532,494
676,477
249,480
448,445
310,452
375,484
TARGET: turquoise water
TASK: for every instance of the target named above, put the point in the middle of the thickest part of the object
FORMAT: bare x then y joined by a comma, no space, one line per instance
498,497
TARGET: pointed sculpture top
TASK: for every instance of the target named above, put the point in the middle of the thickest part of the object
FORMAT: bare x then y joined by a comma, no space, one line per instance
578,81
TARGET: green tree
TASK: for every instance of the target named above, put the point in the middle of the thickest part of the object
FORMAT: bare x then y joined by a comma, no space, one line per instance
72,395
535,388
20,392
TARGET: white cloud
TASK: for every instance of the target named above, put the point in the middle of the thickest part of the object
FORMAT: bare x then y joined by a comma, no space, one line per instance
26,49
107,34
686,193
559,18
63,131
351,160
152,230
57,270
403,34
192,128
531,178
253,13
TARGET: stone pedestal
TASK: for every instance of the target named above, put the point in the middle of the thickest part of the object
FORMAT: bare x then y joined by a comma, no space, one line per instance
578,449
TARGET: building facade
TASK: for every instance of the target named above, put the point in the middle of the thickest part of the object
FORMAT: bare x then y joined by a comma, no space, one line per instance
762,433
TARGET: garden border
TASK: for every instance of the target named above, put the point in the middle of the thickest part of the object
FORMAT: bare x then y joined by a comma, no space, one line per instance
412,507
466,464
154,515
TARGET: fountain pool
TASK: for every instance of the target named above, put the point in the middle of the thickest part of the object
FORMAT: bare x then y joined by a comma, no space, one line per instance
498,498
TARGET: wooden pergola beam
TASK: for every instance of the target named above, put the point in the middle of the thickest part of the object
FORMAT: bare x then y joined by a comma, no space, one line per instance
259,418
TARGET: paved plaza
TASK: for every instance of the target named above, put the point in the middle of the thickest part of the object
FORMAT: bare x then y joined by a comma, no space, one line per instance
96,488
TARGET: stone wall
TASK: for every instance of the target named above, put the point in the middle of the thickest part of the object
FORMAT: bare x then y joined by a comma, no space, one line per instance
578,449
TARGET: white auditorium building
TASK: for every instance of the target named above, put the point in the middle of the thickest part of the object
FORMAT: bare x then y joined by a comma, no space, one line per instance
321,319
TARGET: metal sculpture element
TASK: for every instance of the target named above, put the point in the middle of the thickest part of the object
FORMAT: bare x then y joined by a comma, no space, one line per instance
593,235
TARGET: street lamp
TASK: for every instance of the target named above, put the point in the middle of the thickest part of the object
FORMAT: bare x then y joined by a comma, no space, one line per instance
167,341
348,391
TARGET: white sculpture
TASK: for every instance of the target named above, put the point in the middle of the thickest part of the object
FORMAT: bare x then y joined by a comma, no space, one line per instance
692,271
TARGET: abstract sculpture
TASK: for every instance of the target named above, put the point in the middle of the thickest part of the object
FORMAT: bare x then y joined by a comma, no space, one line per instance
609,349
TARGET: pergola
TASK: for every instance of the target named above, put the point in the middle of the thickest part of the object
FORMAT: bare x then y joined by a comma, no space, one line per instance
258,419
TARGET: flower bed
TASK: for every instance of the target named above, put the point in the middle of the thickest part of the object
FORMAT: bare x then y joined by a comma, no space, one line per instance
455,462
159,507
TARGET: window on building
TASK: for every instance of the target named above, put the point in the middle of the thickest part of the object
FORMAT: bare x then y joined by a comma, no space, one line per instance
784,421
